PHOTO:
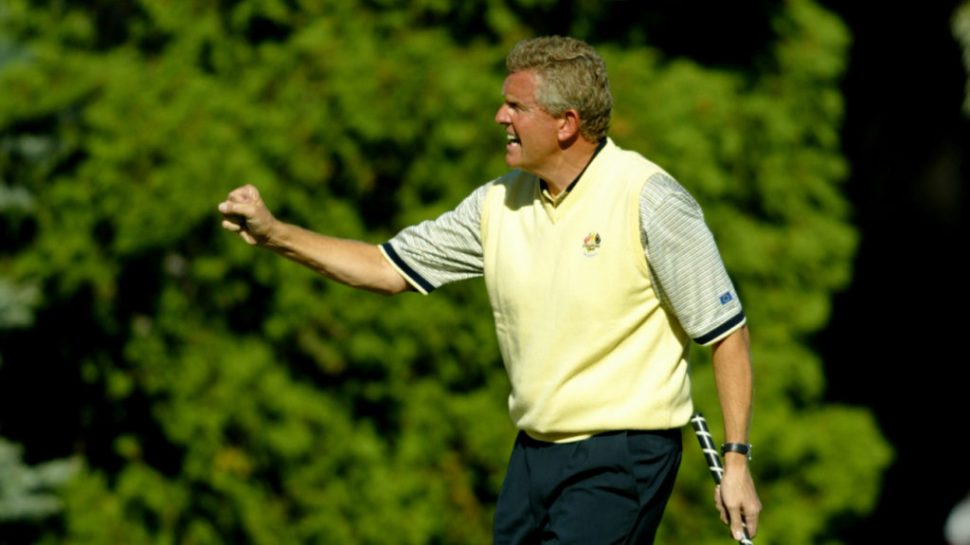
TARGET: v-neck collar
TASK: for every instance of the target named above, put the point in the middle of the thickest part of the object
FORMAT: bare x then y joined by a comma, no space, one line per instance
557,206
544,187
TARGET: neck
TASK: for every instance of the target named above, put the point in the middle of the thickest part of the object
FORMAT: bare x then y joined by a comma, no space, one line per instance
570,163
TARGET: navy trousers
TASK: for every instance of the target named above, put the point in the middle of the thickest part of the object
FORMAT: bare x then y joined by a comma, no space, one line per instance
610,489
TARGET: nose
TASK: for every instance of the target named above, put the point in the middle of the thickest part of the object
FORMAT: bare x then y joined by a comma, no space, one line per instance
502,115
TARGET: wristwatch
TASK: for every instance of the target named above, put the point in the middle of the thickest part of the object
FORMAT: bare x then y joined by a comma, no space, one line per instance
740,448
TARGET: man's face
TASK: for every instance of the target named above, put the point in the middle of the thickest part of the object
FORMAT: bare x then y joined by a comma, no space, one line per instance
531,133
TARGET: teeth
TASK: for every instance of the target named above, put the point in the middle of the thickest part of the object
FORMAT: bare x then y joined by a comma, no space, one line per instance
511,138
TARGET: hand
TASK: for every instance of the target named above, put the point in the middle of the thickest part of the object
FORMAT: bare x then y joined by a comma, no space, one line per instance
244,212
737,501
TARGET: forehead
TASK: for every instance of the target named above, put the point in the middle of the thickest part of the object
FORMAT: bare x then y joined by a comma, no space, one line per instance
520,85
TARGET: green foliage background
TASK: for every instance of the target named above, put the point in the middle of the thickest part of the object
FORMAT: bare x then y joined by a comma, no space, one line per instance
218,394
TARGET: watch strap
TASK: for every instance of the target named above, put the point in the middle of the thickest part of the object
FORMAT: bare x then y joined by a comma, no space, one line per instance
740,448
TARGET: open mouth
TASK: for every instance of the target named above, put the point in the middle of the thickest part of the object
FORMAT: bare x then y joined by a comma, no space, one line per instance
512,139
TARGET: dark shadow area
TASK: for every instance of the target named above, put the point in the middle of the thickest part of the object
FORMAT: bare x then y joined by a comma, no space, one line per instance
890,344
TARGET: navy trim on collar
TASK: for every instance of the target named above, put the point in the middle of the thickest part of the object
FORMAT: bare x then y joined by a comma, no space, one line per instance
599,147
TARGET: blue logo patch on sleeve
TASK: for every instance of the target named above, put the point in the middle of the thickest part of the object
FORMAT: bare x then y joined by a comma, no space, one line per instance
726,298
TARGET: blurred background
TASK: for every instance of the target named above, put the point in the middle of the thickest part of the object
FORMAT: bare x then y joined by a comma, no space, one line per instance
162,382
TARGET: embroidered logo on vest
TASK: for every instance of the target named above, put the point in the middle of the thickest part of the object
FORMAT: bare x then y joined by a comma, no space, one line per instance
591,244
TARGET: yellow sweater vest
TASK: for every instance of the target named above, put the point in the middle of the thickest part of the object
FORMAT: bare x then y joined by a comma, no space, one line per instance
587,345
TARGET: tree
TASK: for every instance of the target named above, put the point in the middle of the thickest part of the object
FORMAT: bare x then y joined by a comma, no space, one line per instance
961,31
27,493
218,395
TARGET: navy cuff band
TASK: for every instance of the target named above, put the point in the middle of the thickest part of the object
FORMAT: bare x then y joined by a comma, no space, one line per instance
406,269
719,330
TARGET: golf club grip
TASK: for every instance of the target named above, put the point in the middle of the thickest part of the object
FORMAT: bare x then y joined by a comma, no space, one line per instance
706,441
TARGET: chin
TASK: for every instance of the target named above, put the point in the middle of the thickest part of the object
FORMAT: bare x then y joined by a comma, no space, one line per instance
511,162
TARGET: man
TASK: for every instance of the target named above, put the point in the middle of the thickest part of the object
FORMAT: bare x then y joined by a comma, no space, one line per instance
600,270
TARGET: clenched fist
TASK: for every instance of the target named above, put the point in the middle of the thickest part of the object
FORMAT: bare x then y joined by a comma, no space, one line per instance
244,212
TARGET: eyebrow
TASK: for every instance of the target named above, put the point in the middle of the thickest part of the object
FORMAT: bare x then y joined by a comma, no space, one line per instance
512,101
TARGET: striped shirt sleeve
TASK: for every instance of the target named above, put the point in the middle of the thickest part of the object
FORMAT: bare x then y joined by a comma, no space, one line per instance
447,249
684,261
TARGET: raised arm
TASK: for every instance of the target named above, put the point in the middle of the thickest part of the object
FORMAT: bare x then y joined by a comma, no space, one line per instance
349,262
736,499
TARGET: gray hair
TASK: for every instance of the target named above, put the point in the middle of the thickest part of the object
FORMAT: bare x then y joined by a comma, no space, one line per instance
570,74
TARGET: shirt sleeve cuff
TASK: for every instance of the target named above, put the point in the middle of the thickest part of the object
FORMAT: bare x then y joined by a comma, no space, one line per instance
721,331
410,275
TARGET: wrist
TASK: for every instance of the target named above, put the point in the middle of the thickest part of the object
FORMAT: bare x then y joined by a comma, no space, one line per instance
275,237
734,462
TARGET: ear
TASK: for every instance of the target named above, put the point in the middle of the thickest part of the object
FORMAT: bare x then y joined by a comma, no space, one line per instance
568,125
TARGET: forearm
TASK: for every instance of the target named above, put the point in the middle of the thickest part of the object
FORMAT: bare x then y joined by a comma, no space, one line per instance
733,377
736,497
356,264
